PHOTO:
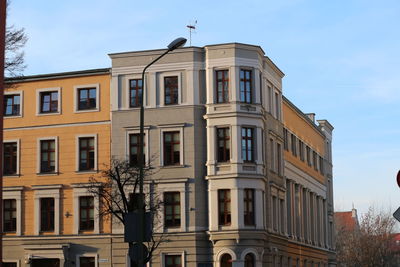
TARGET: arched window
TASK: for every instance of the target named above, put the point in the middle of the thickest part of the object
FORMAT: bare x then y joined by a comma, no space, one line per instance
249,260
226,260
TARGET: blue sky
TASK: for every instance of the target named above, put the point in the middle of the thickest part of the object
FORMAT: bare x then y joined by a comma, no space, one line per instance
341,60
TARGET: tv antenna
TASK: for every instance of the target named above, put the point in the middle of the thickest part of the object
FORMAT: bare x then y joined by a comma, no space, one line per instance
191,27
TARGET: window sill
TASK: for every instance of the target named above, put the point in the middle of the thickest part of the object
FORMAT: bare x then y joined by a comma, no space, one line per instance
47,173
86,171
172,166
87,110
48,114
16,175
11,116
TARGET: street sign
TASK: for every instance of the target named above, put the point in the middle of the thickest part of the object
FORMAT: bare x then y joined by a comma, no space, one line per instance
398,178
396,214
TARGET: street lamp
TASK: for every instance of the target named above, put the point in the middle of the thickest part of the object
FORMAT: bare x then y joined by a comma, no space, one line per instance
179,42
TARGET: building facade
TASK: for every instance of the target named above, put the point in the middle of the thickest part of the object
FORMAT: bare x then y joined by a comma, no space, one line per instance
244,176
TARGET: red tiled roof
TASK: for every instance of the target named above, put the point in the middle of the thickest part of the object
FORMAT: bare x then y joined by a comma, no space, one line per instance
345,220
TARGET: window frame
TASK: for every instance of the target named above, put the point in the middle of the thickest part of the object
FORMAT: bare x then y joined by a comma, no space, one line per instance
135,130
79,190
172,205
50,224
137,88
248,139
39,101
76,96
88,150
225,91
172,92
162,87
21,99
17,173
251,89
249,217
87,255
88,211
13,220
77,154
15,192
226,214
226,139
39,155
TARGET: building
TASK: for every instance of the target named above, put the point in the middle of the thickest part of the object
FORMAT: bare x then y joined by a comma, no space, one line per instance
244,175
56,134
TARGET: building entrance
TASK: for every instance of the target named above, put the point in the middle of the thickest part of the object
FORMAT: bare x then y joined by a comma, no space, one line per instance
45,263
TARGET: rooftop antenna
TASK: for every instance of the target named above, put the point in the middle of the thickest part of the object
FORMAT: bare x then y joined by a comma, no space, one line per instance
191,27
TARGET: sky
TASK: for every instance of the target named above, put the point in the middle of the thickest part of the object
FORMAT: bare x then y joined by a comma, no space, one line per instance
341,60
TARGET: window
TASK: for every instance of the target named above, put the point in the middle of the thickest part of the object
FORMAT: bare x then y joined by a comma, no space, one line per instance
171,148
294,145
49,102
224,207
275,213
135,92
10,158
224,143
47,156
87,262
272,154
222,86
86,153
245,86
249,207
12,105
285,139
87,98
134,149
86,213
226,260
9,264
173,261
247,144
249,260
171,90
301,150
308,155
315,161
10,215
47,214
321,165
172,209
277,106
278,159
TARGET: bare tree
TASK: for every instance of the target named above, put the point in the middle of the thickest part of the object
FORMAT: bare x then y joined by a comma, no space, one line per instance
16,39
370,244
116,188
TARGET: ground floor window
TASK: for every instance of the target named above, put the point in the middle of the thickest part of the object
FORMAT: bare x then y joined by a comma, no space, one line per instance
226,260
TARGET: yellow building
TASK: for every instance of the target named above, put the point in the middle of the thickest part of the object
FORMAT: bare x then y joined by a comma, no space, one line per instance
56,135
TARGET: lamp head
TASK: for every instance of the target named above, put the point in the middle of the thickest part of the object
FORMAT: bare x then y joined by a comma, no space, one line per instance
178,42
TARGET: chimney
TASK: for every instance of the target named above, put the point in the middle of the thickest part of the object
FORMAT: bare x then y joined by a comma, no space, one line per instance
311,116
354,213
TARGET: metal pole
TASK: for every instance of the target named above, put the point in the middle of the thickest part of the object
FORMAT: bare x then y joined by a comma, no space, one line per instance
141,167
3,6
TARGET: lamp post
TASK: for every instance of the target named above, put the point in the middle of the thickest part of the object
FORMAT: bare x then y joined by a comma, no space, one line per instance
179,42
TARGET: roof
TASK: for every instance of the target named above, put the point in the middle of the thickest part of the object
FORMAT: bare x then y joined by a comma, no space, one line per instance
346,220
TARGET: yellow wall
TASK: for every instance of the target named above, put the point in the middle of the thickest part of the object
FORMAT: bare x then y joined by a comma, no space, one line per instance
303,129
31,127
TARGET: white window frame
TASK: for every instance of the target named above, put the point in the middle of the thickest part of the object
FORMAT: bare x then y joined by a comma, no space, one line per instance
172,128
92,255
12,261
177,253
21,102
77,137
162,87
176,185
84,86
136,130
81,190
47,191
18,173
15,192
38,101
38,155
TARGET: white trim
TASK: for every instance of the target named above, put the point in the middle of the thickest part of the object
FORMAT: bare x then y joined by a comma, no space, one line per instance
38,103
86,254
77,137
181,253
219,254
47,193
12,261
21,102
86,86
179,129
162,87
15,193
38,154
58,126
81,190
18,141
146,142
